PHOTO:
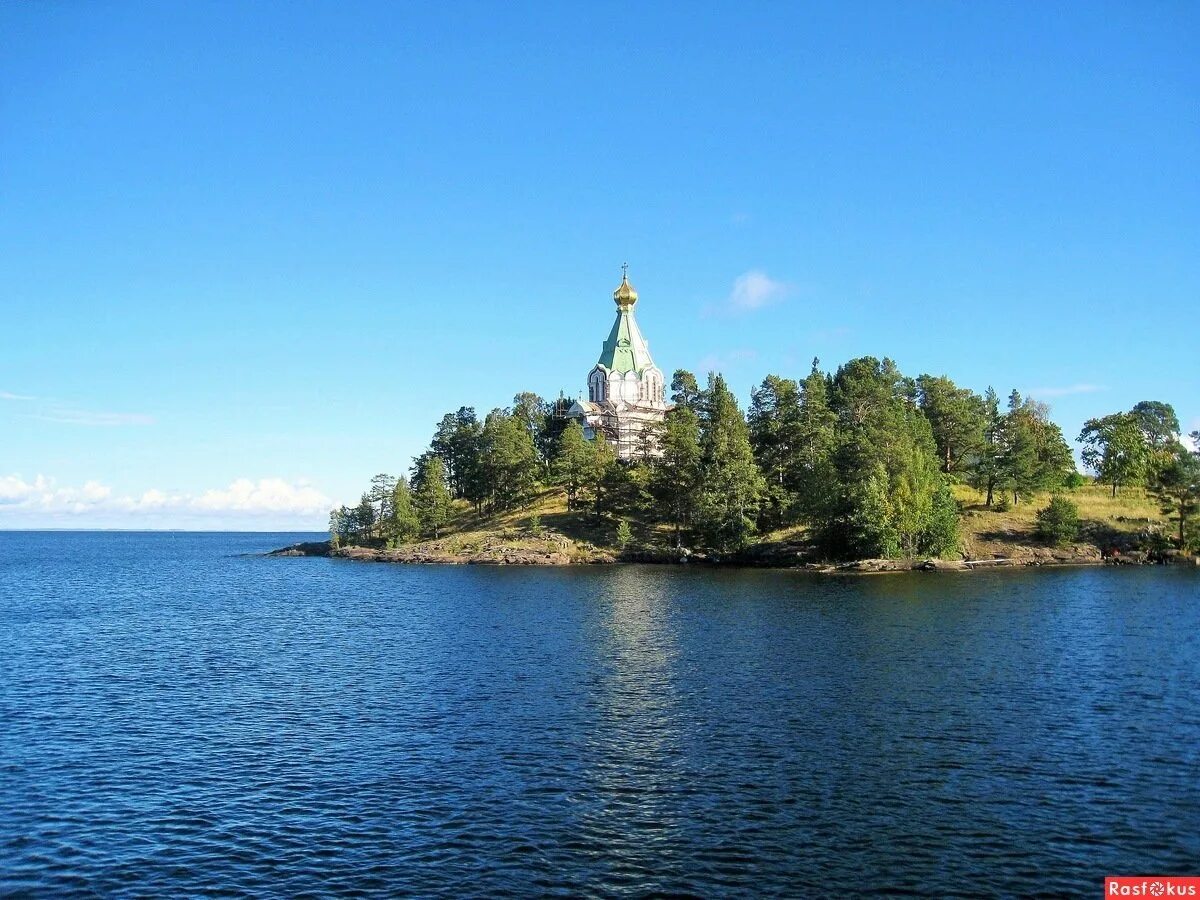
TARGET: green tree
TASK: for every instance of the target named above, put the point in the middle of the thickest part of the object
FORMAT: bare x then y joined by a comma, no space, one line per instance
1035,456
1158,423
675,473
534,414
958,418
811,475
404,524
773,421
1116,449
338,526
431,496
624,534
984,468
508,460
364,519
597,474
685,390
1058,522
730,483
1176,486
572,462
382,486
888,493
457,443
941,537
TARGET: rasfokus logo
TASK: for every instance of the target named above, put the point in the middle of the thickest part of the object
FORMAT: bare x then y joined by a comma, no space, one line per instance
1152,886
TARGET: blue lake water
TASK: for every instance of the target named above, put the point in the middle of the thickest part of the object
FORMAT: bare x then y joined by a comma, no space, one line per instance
177,717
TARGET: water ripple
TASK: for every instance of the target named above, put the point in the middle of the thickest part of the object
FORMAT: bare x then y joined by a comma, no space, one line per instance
180,719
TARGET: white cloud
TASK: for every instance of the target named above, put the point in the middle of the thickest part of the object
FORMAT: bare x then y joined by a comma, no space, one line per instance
43,498
1065,391
268,495
755,289
5,395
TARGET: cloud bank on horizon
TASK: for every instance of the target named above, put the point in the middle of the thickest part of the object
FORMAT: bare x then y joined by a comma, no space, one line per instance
41,502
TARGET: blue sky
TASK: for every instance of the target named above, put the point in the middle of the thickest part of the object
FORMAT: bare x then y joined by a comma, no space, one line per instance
250,253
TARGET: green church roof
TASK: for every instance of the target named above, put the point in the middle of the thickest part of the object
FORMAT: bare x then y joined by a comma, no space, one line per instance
625,350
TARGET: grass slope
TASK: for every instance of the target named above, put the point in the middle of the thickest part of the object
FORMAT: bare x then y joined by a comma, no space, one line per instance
544,528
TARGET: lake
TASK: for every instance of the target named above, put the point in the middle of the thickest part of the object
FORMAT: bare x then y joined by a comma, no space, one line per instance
178,716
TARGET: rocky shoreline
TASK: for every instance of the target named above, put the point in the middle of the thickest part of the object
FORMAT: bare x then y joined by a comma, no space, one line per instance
564,553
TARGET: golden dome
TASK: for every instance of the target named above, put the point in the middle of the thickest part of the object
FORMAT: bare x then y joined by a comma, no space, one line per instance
625,294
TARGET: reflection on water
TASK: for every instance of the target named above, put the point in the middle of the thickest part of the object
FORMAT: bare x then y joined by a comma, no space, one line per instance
177,718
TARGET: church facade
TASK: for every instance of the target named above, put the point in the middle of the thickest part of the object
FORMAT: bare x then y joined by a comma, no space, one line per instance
626,393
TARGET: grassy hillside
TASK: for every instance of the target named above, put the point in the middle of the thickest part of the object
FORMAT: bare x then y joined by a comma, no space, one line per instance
544,531
1106,521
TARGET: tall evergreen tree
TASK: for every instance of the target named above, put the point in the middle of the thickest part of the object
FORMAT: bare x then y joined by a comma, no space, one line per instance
958,418
1176,485
685,390
508,459
811,474
456,443
431,497
1035,456
404,524
572,462
984,469
888,478
773,421
675,473
533,413
731,486
380,493
364,515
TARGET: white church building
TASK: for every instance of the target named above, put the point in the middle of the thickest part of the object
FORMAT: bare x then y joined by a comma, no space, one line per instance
625,389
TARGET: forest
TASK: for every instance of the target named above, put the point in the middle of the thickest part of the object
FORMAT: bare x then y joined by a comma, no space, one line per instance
864,458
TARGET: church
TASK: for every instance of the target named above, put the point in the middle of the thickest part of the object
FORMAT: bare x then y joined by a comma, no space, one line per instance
625,390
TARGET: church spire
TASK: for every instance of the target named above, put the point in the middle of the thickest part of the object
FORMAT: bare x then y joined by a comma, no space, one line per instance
625,295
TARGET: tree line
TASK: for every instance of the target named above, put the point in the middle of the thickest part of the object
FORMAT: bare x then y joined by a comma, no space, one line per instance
864,457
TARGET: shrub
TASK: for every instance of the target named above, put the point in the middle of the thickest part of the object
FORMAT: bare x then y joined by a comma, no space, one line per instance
1075,481
1001,503
1058,522
535,526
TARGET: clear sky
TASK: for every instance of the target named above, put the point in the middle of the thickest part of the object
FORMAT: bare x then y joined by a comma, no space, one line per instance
250,253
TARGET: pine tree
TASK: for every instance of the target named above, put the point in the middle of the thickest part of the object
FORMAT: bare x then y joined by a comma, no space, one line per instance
810,472
1035,456
889,496
958,418
364,519
731,486
597,477
382,486
983,469
773,422
685,390
675,473
508,460
571,463
405,524
431,496
1176,485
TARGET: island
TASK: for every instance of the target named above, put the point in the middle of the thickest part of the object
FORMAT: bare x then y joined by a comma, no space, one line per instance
857,469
